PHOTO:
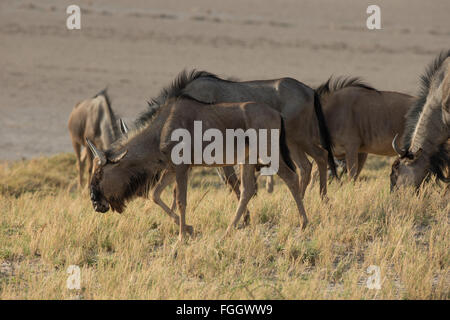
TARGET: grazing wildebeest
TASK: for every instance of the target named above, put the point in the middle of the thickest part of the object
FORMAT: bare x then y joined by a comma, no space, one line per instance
143,159
362,120
93,119
426,140
306,128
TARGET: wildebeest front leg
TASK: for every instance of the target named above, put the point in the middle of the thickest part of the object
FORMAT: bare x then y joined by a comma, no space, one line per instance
247,191
90,161
233,182
166,179
269,184
181,195
77,148
174,200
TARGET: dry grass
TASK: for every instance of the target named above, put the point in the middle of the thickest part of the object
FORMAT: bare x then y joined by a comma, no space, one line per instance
46,225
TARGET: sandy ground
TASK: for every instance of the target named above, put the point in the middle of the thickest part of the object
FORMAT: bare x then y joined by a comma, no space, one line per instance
136,47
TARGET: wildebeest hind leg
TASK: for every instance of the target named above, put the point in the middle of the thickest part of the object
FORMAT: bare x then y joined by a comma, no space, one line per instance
351,158
320,155
291,180
362,157
305,166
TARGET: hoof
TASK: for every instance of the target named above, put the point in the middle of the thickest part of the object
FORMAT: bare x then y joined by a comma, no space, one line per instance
246,219
304,224
189,229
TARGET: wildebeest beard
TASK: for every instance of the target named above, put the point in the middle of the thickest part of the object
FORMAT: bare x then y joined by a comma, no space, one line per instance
439,162
139,184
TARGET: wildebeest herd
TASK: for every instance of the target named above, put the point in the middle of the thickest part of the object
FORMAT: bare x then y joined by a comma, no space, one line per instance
343,119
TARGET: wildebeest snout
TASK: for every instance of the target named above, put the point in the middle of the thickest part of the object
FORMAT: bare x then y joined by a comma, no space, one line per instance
98,202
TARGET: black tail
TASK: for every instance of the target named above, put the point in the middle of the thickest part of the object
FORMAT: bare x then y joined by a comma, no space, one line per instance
325,138
285,154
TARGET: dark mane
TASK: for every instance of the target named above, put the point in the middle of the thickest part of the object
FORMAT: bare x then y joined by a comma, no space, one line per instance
139,184
412,117
174,90
337,83
104,93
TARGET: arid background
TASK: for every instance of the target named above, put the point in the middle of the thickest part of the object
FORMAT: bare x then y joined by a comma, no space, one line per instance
136,47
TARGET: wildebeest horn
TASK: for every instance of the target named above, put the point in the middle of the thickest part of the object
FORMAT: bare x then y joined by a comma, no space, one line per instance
396,148
123,127
96,153
118,157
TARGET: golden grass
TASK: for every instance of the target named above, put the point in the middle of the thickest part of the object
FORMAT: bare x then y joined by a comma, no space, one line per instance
46,225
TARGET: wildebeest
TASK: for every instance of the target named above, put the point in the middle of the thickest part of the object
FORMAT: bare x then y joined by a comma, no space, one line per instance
143,161
306,128
426,140
94,119
361,119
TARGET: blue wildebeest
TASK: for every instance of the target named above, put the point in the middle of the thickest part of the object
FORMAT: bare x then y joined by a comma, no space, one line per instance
94,119
362,120
142,160
426,142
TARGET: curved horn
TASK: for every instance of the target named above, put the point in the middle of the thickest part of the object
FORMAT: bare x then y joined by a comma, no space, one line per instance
123,127
96,153
396,148
118,157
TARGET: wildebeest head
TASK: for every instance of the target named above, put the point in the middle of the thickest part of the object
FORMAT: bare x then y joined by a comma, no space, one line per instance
108,180
409,169
118,176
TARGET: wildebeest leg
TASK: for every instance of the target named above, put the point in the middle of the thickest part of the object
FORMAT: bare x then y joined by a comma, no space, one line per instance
351,158
305,171
320,155
174,200
362,157
233,182
166,179
77,148
181,194
291,180
89,163
247,192
269,184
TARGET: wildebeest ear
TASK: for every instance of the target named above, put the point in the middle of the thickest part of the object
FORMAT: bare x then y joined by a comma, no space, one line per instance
123,127
118,157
